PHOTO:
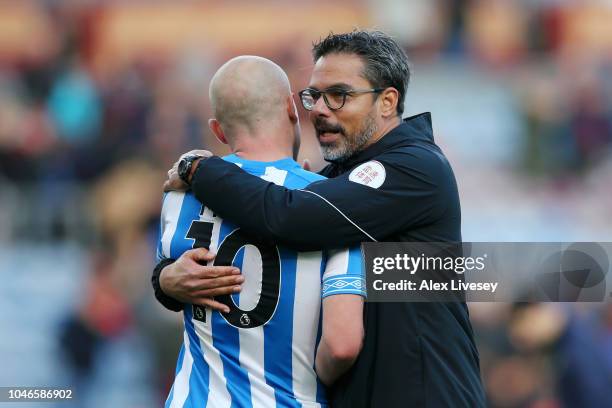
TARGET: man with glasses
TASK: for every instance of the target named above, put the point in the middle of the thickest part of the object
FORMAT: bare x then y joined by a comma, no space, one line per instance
389,181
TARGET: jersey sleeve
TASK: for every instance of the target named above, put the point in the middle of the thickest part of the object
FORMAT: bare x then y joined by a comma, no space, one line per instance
167,226
344,273
168,222
160,255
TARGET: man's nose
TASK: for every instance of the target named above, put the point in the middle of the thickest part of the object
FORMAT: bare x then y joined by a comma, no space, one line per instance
320,108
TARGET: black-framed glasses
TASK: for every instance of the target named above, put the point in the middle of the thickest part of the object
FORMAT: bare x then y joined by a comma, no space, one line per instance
334,98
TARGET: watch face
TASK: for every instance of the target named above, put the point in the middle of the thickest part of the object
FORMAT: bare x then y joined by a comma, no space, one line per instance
183,168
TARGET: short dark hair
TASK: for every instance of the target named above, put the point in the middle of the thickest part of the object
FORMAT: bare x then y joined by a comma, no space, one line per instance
386,64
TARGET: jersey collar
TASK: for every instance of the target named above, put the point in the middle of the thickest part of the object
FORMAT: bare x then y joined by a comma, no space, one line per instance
284,163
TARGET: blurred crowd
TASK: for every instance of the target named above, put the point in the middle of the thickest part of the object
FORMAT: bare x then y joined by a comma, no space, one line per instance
98,98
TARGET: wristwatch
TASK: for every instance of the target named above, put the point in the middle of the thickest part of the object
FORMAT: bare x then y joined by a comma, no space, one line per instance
185,165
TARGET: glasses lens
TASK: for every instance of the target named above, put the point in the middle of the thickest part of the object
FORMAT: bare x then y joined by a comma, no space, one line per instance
335,98
308,99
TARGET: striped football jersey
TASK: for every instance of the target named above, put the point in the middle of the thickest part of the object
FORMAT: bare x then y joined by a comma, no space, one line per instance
260,354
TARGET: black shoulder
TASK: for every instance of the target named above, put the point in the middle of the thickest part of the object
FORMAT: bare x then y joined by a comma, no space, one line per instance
428,161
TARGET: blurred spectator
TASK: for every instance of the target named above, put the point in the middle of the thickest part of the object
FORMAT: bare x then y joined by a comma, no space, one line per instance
75,106
591,122
576,342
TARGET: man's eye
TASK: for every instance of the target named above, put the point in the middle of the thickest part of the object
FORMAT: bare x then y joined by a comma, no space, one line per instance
336,95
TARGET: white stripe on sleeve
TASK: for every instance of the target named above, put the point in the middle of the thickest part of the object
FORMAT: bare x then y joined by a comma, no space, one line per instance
170,213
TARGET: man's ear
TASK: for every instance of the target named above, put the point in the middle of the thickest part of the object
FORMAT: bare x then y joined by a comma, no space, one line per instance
215,127
292,109
389,99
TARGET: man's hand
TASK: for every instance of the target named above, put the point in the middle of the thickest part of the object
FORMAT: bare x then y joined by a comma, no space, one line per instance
189,281
174,182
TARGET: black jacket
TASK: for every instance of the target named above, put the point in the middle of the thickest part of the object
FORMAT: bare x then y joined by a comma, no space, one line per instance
401,188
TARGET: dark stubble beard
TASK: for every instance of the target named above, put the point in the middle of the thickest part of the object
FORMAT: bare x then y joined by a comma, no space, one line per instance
349,144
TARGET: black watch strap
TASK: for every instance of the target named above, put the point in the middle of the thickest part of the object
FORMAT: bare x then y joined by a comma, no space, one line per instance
166,301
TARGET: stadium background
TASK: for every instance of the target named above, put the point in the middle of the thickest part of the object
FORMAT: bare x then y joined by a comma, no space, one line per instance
98,98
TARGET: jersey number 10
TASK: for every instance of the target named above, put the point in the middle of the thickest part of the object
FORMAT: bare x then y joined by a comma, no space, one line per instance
201,232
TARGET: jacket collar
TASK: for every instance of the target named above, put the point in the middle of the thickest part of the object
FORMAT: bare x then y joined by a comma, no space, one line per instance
414,129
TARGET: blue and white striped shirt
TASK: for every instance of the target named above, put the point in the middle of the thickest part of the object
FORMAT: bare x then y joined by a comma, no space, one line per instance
261,354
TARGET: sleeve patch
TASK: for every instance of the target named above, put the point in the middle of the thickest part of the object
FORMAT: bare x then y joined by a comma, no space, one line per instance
340,285
371,174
